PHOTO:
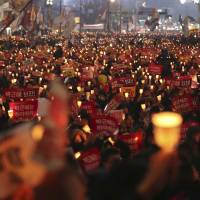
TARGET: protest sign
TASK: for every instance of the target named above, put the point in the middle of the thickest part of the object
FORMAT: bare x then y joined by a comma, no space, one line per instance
104,124
24,110
21,93
90,159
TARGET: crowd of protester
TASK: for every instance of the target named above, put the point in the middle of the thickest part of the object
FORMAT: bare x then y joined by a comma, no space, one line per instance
90,67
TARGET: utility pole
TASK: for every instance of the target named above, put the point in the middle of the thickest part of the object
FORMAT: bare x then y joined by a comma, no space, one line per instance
60,30
120,16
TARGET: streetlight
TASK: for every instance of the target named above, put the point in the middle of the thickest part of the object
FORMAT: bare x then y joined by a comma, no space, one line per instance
49,4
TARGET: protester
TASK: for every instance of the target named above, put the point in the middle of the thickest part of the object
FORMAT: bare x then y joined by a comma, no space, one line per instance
97,141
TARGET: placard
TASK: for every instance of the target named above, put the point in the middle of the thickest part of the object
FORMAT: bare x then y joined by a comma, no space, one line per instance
90,160
21,93
155,69
24,110
104,124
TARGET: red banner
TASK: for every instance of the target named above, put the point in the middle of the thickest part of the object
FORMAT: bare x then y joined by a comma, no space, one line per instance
134,140
117,114
87,74
104,124
123,82
24,110
185,128
183,81
21,93
155,69
183,103
90,107
90,160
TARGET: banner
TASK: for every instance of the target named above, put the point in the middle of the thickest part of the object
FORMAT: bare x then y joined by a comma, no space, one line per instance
90,107
129,90
90,160
24,110
122,82
182,104
104,124
117,114
87,74
113,104
185,128
134,140
18,4
155,69
183,81
21,93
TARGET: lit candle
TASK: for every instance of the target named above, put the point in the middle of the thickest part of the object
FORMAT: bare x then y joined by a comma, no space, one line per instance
143,106
92,91
141,91
126,94
79,103
151,87
89,83
159,97
10,113
167,126
77,155
79,88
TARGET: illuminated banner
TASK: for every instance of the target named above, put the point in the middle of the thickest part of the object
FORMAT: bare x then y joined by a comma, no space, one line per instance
24,110
21,93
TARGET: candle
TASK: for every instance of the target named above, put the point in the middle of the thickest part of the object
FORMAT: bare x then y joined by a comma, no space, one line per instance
77,155
126,94
151,87
86,128
143,106
88,96
89,83
167,126
141,91
159,97
79,103
10,113
92,91
79,88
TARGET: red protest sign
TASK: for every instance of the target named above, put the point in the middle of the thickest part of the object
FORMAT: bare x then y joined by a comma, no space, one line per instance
89,106
155,69
87,74
21,93
185,128
117,114
123,82
134,140
183,81
113,104
183,103
104,124
24,110
90,159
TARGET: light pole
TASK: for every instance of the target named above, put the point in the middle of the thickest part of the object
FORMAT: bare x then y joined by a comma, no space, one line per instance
60,31
49,4
109,14
120,16
80,7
